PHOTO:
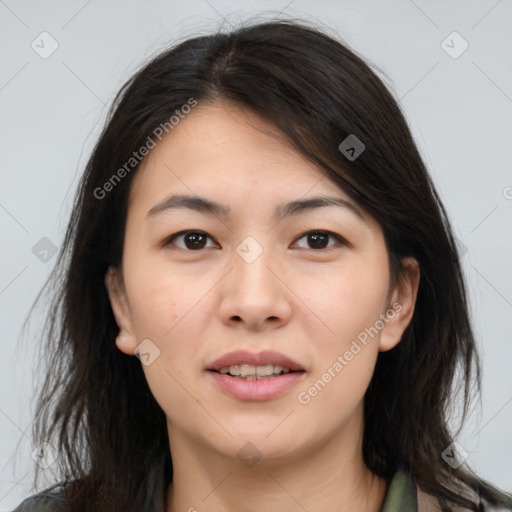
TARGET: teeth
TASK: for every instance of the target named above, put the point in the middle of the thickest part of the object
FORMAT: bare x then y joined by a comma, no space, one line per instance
247,369
265,371
252,372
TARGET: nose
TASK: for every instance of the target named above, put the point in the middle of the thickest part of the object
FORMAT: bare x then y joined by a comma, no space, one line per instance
254,292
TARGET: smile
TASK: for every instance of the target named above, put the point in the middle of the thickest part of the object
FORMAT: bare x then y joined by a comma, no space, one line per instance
252,372
255,387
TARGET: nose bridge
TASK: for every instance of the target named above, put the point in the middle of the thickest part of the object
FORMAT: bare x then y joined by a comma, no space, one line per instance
251,266
253,293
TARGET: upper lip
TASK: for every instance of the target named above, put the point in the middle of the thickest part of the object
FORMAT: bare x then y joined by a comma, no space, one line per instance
260,359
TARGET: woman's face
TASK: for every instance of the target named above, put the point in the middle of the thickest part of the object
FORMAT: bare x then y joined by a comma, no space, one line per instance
244,276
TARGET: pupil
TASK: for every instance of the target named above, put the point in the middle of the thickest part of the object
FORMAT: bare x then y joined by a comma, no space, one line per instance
194,237
315,238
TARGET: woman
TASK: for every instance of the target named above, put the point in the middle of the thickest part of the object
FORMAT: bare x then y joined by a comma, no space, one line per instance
257,227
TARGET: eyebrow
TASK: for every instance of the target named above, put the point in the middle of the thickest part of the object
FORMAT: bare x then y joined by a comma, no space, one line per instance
209,207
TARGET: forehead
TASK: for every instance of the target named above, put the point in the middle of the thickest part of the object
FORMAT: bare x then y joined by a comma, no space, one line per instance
224,135
224,149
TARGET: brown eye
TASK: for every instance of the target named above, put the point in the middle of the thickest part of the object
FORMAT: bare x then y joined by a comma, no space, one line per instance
319,239
192,240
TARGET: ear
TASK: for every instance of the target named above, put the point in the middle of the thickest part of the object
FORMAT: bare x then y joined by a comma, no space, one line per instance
126,341
401,306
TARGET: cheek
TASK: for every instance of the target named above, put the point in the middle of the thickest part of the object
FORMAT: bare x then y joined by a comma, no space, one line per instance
350,305
351,298
163,298
166,308
172,309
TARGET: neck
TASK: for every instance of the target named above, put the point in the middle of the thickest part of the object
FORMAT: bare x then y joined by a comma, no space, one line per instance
312,479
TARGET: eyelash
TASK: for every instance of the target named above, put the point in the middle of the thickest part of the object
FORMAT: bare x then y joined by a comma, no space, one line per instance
324,232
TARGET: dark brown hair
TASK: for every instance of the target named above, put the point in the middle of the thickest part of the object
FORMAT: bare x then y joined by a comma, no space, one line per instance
95,406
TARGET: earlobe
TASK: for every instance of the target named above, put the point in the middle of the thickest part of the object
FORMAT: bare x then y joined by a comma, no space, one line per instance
125,341
401,307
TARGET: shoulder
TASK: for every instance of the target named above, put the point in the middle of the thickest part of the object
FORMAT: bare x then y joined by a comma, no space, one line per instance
45,501
428,503
404,494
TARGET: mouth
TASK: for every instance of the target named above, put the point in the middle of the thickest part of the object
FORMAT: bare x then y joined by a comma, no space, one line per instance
249,376
253,372
242,363
256,387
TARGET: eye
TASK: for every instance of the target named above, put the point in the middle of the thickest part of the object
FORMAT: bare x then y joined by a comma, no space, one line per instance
193,240
318,239
196,240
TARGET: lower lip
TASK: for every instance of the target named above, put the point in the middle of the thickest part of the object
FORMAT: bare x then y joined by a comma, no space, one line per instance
257,389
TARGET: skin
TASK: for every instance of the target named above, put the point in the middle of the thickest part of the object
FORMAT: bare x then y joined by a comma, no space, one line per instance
306,302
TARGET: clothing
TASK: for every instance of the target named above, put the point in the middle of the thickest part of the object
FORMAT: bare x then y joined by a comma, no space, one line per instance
403,495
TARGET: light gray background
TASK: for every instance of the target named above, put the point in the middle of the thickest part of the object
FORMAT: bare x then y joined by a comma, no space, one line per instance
460,111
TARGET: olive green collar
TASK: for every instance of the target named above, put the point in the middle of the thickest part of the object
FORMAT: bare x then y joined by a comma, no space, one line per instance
401,495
